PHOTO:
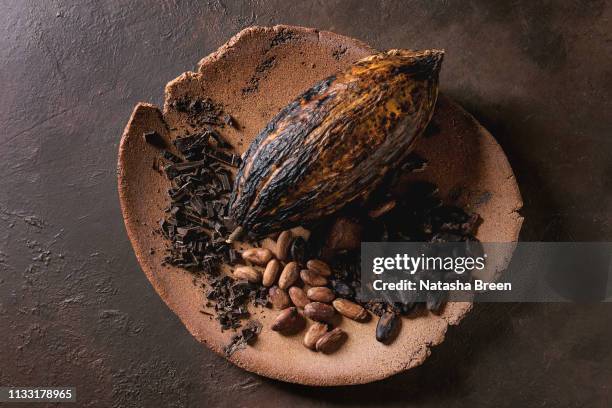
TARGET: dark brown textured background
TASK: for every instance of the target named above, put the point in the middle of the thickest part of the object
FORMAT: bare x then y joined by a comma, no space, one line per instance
76,310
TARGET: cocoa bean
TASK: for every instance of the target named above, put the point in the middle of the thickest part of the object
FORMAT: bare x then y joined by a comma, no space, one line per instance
257,256
319,267
271,273
331,341
386,329
350,309
298,297
279,298
289,275
247,273
345,235
283,245
313,334
288,321
320,294
312,278
319,312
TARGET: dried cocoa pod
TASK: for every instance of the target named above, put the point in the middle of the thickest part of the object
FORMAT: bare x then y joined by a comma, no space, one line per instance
271,273
319,267
331,341
350,309
247,273
289,275
319,312
279,298
313,334
312,278
386,327
257,256
288,321
320,294
335,143
298,297
283,245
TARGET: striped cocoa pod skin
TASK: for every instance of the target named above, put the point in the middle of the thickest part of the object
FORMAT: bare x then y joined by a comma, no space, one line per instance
334,144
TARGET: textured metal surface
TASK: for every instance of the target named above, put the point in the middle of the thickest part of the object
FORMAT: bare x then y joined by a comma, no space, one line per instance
76,310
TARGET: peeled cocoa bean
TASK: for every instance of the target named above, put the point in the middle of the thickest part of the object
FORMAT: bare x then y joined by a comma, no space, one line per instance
279,298
271,273
312,278
283,245
298,296
288,321
319,267
320,294
247,273
289,275
387,327
331,341
257,256
350,309
313,334
319,312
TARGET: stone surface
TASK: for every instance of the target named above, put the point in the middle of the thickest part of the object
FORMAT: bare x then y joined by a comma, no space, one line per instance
535,73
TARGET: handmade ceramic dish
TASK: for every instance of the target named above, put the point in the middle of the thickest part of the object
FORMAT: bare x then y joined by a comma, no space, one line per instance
254,75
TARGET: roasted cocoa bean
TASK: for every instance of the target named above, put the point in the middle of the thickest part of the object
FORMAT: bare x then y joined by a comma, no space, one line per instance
283,245
319,267
350,309
320,294
319,312
271,273
247,273
288,321
331,341
387,327
279,298
313,334
257,256
289,275
298,296
312,278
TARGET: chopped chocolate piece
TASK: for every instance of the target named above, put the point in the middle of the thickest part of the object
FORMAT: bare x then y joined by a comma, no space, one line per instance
171,157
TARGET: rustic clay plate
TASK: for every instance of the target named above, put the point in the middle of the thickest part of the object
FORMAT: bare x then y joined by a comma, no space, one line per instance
254,75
